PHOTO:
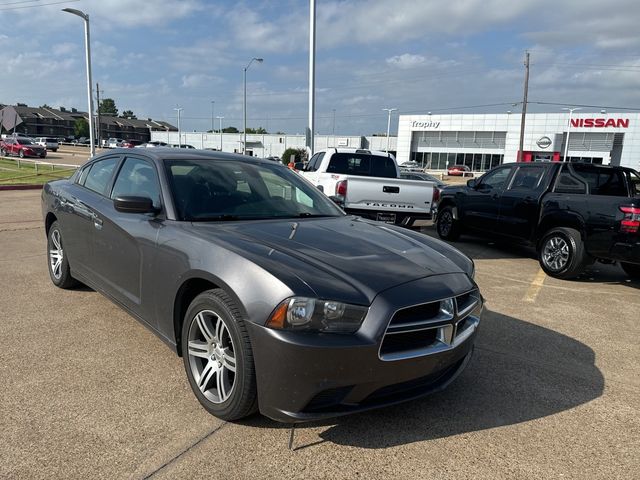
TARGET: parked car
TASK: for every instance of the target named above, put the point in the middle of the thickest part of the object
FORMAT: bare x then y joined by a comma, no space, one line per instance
183,145
459,171
574,214
114,143
368,184
275,299
131,143
48,142
425,177
411,167
153,144
22,147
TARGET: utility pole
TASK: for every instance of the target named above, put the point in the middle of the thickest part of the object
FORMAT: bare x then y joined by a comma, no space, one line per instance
312,74
212,105
179,109
389,111
524,105
220,118
98,136
333,130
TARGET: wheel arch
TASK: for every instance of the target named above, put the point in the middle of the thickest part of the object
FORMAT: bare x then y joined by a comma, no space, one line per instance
449,202
49,219
191,287
560,220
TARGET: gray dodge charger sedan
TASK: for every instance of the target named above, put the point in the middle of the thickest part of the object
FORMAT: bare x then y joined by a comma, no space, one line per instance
275,299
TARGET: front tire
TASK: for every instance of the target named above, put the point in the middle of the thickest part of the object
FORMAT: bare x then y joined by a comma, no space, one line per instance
21,154
58,262
217,356
3,153
562,254
631,269
447,226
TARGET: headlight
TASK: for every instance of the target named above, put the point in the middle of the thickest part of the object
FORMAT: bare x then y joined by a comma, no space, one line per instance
311,314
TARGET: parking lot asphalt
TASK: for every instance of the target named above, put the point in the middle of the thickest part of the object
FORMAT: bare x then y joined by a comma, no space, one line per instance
553,390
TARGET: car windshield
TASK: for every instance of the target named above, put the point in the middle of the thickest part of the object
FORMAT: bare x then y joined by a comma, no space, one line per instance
210,190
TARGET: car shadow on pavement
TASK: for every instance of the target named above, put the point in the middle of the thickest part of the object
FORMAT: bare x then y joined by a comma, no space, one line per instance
519,372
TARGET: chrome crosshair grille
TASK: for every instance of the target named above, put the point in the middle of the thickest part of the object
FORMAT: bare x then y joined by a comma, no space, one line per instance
432,327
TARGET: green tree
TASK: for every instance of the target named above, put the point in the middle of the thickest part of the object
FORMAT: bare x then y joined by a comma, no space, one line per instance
300,155
45,106
81,128
128,114
258,130
108,107
230,130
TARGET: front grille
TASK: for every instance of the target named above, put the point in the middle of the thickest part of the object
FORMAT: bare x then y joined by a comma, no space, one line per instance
431,327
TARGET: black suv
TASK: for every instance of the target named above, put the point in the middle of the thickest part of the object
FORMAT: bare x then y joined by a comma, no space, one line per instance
574,213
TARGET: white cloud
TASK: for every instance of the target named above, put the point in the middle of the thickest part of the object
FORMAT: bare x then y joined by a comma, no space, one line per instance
61,49
198,80
406,60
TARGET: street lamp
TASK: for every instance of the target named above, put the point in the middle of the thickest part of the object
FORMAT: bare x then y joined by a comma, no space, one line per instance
566,147
179,109
389,111
220,118
87,43
244,144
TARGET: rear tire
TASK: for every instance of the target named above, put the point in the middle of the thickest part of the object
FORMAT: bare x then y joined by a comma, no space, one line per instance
631,269
562,254
57,260
217,356
21,154
447,226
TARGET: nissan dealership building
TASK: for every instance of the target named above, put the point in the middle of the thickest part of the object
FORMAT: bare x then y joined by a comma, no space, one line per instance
482,141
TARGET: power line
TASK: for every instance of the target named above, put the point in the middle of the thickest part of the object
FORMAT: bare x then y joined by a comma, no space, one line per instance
565,104
37,5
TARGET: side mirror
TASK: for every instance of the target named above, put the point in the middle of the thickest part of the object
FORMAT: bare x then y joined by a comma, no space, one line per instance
472,184
131,204
298,166
337,200
320,187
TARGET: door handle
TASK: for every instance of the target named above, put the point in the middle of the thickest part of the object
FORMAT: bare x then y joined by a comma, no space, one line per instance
97,221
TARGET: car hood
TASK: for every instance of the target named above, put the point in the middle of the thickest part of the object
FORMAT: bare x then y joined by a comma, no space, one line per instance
346,254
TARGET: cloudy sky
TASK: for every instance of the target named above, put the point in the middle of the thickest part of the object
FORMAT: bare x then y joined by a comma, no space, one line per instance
414,55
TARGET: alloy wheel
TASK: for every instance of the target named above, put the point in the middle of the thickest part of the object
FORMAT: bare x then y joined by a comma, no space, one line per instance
444,223
212,356
56,254
556,253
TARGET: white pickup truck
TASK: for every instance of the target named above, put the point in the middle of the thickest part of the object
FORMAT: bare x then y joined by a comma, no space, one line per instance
366,183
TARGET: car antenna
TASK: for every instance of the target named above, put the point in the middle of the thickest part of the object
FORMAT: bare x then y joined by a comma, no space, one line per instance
291,434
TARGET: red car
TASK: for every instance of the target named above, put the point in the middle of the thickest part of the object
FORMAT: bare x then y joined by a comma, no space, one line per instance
23,147
131,143
459,171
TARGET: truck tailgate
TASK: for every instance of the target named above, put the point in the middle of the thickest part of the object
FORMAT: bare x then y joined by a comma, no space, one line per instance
389,195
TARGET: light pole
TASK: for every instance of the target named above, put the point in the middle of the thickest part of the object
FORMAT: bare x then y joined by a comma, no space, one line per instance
244,143
312,76
220,118
87,43
389,112
333,129
179,109
566,146
213,102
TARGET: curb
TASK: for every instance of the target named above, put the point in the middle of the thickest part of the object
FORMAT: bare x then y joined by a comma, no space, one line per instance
20,187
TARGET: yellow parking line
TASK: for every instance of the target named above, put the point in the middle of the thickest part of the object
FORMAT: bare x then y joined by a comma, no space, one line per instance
535,287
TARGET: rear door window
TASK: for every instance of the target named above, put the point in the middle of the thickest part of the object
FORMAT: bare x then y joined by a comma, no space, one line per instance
100,174
527,178
567,183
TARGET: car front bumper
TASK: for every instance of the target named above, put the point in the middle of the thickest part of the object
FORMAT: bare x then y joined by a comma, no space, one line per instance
303,377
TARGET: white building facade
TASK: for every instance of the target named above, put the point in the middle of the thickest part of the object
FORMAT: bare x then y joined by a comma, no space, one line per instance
482,141
270,145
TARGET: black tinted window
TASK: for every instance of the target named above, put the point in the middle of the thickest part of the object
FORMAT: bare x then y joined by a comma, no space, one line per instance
362,164
315,162
138,178
567,183
496,179
98,177
527,178
602,181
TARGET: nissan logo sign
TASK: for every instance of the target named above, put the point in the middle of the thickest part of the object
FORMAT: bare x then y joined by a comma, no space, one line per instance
544,142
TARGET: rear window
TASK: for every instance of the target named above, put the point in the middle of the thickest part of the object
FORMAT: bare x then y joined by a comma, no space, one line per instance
567,183
602,181
52,140
362,164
